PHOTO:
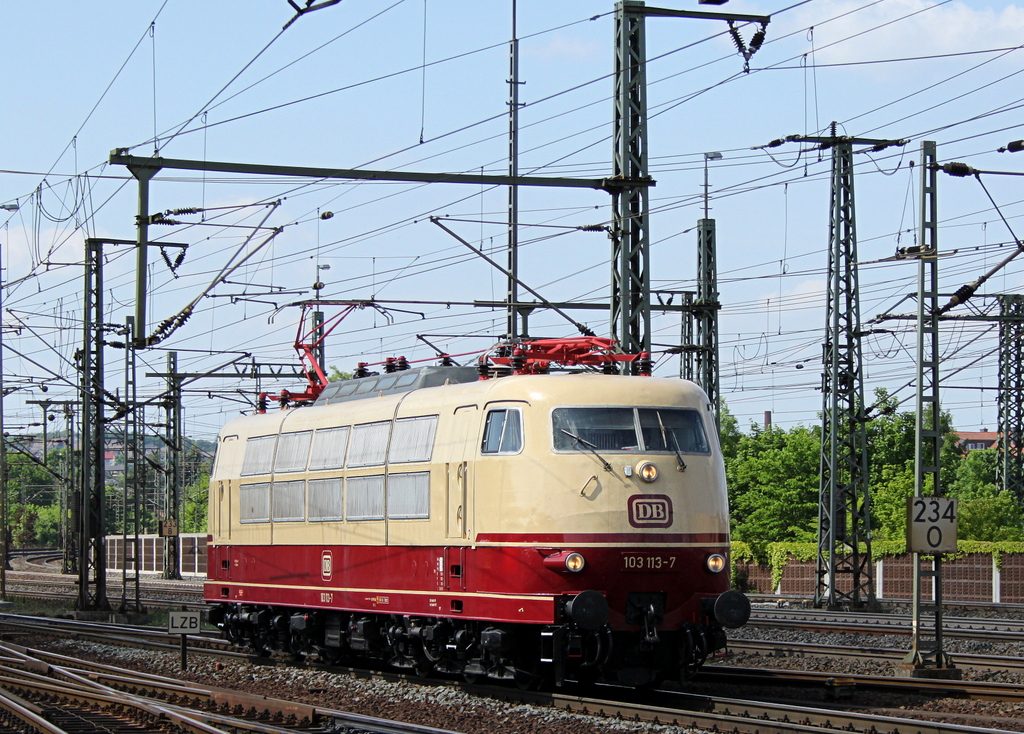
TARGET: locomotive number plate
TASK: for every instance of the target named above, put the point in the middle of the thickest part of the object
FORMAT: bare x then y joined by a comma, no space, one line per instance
647,562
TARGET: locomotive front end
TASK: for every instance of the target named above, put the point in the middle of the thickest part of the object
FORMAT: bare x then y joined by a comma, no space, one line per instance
630,520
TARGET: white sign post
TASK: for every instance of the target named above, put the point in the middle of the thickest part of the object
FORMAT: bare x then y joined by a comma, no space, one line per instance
184,623
931,525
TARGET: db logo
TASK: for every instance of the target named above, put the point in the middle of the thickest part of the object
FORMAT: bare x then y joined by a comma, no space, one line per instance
650,511
326,565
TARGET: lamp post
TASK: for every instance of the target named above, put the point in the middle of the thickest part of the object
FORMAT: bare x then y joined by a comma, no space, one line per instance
712,156
4,534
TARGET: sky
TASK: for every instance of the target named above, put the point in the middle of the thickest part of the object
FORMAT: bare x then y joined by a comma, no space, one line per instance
423,86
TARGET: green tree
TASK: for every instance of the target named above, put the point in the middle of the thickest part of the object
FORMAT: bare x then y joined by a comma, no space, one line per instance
773,485
889,493
194,512
986,512
29,481
48,526
729,434
335,374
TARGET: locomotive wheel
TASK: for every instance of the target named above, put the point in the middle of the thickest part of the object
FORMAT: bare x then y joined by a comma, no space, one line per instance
422,667
296,645
329,655
528,679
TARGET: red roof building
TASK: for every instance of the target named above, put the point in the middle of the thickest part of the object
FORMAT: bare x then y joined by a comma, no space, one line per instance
973,440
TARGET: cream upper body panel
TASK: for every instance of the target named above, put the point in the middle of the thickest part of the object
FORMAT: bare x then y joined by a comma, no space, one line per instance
534,491
570,492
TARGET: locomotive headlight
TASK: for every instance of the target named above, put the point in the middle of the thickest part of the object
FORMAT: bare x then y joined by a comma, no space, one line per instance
574,562
716,563
647,471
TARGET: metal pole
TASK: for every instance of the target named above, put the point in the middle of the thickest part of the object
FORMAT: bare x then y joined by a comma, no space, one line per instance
631,288
4,548
68,508
143,175
92,562
926,657
174,449
512,329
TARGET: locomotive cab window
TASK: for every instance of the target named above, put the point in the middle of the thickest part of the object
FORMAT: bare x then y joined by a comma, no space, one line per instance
647,430
605,429
666,429
503,432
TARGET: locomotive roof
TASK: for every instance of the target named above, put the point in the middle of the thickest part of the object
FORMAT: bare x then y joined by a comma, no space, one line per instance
560,389
393,383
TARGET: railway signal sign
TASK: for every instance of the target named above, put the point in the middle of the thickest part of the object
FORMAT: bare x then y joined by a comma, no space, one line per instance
931,525
184,623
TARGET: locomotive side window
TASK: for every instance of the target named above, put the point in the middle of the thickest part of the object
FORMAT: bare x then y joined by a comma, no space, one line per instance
259,455
339,390
503,432
365,384
629,429
409,496
329,448
386,383
325,500
369,444
364,498
407,379
289,501
412,439
605,429
254,501
292,451
664,429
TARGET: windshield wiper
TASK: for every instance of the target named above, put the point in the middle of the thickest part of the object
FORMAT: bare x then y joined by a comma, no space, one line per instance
584,444
675,441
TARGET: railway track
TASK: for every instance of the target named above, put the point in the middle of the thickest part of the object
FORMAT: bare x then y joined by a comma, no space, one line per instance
156,639
53,694
986,663
663,707
968,628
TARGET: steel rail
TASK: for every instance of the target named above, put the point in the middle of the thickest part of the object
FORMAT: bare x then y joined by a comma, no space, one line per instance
773,601
27,713
957,627
82,701
738,716
977,690
152,692
767,648
744,717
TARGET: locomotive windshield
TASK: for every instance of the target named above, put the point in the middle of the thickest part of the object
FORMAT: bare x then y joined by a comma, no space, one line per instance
645,430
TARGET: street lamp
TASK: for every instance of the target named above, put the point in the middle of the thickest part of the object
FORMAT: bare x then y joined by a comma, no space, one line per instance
712,156
10,207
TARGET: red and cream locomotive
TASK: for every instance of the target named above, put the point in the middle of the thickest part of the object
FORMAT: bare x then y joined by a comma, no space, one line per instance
537,527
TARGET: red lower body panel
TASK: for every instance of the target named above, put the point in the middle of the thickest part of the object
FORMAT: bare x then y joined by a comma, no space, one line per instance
494,583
